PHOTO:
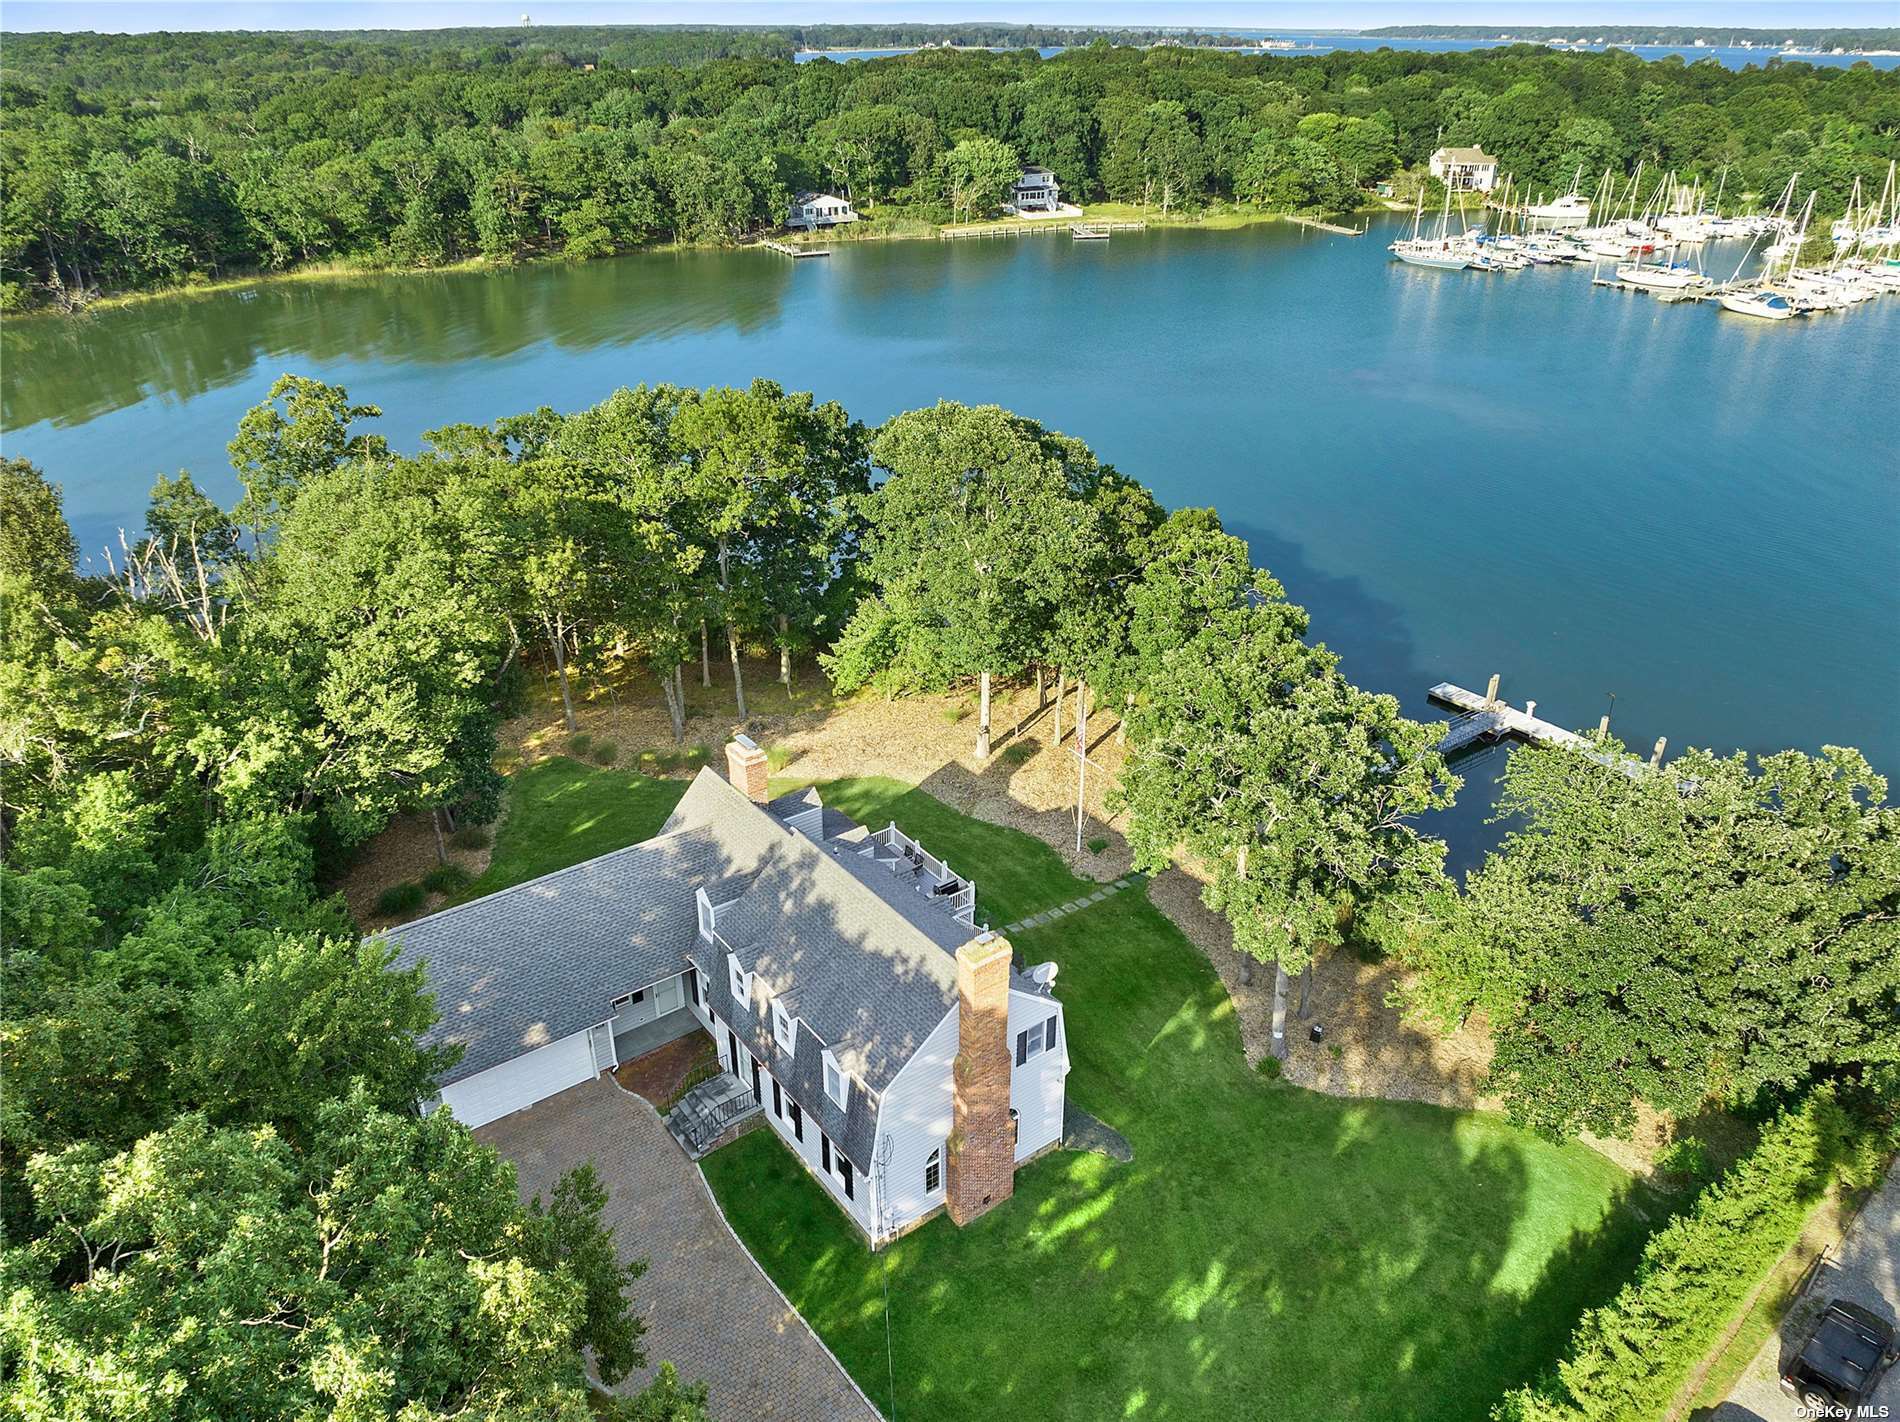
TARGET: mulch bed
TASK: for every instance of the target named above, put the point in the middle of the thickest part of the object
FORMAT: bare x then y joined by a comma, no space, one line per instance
661,1075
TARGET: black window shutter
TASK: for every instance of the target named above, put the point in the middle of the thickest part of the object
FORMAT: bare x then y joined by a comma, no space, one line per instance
844,1174
825,1149
1022,1048
798,1121
1049,1035
778,1102
692,982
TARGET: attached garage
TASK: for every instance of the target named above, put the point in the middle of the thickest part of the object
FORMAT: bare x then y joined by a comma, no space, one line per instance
516,1085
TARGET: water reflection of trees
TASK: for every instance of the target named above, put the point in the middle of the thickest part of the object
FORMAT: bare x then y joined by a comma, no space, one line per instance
73,369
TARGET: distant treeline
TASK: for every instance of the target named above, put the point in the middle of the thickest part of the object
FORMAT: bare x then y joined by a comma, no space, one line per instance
113,61
160,159
1651,34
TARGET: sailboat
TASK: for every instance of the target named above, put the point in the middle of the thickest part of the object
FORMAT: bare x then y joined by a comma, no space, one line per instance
1439,251
1664,278
1761,300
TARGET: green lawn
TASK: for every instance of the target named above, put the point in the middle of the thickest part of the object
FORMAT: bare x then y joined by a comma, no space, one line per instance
561,812
1270,1253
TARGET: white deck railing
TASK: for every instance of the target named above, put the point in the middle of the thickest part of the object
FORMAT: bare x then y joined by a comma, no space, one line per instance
928,873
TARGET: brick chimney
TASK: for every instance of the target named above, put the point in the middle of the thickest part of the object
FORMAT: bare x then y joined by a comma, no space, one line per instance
745,768
981,1161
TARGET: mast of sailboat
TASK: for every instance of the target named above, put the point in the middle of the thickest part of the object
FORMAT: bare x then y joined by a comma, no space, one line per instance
1801,233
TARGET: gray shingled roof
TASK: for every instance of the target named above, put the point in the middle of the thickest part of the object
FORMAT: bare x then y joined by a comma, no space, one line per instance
865,961
540,961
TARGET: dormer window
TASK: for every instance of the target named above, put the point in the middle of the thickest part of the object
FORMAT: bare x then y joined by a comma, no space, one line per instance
737,979
782,1028
705,907
837,1084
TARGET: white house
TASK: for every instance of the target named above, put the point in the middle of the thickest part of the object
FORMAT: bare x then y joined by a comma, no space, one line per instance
1035,191
1467,169
811,211
890,1042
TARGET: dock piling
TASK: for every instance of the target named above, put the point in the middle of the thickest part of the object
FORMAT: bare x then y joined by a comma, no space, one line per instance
1655,756
1491,691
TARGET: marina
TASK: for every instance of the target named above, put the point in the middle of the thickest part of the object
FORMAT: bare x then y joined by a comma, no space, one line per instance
1659,249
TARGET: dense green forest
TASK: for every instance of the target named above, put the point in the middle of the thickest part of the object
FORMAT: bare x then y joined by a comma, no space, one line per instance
136,162
211,1166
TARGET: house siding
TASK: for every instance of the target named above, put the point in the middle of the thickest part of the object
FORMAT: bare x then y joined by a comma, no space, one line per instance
1036,1088
915,1119
810,1151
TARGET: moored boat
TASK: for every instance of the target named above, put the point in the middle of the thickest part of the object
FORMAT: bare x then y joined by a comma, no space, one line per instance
1768,305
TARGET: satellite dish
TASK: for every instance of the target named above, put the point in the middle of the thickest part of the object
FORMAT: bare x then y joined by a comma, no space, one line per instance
1043,975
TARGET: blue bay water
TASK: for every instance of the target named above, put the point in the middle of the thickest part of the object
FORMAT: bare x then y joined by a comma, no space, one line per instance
1588,491
1309,42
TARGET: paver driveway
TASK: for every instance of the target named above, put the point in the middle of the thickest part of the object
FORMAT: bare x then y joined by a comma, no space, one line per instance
708,1309
1865,1270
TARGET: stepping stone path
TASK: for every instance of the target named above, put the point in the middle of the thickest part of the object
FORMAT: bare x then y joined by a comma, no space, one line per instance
1037,920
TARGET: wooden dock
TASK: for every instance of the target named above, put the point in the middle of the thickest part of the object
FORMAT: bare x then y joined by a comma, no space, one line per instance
795,250
1089,232
1320,226
1488,718
1680,293
1017,229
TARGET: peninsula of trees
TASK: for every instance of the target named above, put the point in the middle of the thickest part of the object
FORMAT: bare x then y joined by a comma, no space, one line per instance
210,1162
133,162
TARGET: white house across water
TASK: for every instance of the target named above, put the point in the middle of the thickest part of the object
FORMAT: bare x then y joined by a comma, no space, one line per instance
889,1041
1465,169
810,211
1036,191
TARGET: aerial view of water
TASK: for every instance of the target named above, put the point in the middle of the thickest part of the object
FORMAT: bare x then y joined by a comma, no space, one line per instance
1589,491
1321,42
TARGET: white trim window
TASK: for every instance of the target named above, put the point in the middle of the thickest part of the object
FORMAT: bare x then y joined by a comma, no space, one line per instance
933,1172
738,979
1032,1042
837,1084
783,1031
705,908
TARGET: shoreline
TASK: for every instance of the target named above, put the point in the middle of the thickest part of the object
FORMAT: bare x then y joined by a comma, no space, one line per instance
1226,218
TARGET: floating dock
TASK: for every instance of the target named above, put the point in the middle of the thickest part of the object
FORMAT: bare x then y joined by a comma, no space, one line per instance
1488,718
796,250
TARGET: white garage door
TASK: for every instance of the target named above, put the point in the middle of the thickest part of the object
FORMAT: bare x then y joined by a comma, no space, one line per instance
513,1085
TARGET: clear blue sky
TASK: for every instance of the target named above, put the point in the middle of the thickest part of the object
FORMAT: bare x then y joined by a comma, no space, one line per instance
120,15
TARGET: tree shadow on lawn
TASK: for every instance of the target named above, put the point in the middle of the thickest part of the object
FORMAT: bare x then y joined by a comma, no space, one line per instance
1270,1253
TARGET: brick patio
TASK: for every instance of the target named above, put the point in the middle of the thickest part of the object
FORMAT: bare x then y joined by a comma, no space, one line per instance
708,1309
